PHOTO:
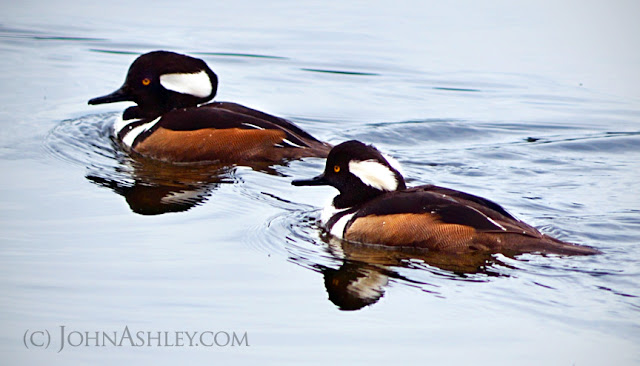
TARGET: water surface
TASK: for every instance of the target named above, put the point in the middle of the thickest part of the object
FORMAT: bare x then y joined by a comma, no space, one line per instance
523,105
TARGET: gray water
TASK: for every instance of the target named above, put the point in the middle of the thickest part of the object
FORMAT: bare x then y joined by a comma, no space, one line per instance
534,105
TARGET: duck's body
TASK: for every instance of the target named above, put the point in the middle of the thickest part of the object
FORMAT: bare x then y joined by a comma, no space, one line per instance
375,207
171,123
220,131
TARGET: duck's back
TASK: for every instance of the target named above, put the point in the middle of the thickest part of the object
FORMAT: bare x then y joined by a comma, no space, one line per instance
443,219
226,132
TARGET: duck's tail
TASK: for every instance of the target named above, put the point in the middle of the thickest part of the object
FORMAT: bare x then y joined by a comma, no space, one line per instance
550,245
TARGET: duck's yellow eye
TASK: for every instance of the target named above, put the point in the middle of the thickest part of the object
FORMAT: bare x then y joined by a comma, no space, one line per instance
146,81
336,168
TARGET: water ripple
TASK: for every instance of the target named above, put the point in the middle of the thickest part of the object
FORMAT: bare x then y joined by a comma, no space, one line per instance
150,187
86,141
357,275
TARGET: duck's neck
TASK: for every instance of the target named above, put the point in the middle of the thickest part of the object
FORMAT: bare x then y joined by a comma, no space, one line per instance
356,197
136,112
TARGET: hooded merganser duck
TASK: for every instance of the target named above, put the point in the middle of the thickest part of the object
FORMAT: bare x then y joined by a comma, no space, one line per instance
375,207
171,123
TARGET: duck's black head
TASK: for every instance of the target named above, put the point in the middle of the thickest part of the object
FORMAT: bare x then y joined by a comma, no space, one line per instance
360,172
160,81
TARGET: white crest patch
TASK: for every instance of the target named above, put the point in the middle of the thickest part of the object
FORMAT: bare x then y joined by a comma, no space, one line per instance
198,84
130,137
374,174
395,164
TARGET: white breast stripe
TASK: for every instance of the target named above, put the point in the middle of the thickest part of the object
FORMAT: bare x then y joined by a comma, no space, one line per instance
198,84
328,211
130,137
338,228
121,123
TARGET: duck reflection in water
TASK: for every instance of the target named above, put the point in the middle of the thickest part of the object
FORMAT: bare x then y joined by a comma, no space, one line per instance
175,121
382,222
153,187
366,270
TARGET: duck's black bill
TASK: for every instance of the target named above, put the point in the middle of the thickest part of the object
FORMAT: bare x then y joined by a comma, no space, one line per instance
317,181
117,96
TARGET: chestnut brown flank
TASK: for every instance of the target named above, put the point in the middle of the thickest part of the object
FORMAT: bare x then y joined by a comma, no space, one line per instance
423,230
224,145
